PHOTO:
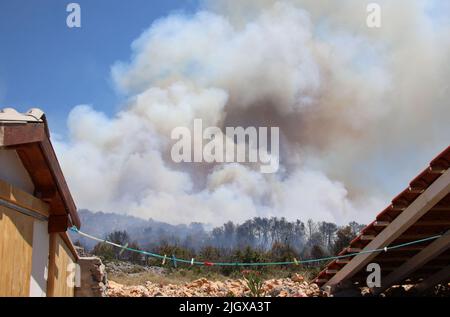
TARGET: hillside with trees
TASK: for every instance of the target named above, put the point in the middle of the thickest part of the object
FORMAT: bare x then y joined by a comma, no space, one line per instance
256,240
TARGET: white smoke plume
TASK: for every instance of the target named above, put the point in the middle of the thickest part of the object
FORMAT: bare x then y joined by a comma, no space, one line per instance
352,104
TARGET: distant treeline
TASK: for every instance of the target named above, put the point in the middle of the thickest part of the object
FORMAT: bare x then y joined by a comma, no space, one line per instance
256,240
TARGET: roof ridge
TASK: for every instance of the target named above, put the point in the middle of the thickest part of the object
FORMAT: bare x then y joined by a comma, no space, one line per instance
9,114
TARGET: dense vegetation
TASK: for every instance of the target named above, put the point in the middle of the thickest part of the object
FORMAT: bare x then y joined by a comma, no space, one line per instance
256,240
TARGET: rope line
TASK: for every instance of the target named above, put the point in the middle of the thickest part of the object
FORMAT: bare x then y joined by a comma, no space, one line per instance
295,262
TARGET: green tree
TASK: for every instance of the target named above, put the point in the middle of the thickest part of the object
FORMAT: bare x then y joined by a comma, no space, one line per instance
343,238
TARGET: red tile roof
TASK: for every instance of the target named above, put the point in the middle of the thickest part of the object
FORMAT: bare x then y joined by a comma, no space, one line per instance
435,221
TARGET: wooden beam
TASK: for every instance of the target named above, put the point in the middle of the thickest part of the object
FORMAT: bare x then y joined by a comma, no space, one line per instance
405,258
41,162
417,236
52,269
354,250
440,208
342,261
331,271
391,268
65,237
434,267
321,280
23,199
46,194
416,190
58,223
15,134
381,223
393,259
36,165
367,237
61,184
416,262
436,170
409,248
430,197
443,276
432,223
398,208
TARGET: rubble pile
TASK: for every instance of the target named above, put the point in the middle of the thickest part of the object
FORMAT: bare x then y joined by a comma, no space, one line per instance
285,287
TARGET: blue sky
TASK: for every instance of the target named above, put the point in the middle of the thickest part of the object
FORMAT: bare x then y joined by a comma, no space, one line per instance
45,64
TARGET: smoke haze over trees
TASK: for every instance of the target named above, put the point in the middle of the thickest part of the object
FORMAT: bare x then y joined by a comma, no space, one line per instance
258,238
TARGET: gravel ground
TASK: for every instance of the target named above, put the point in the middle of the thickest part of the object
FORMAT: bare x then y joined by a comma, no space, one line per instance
286,287
295,286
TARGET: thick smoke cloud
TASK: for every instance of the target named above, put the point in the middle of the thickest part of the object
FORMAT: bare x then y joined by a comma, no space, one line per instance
340,92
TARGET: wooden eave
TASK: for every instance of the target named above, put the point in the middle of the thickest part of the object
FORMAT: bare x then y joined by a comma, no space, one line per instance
32,142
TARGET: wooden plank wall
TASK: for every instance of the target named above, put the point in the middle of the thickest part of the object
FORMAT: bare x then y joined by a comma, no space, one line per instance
16,246
23,199
59,260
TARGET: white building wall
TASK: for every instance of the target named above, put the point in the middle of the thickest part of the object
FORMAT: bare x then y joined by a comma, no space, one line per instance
39,268
13,172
